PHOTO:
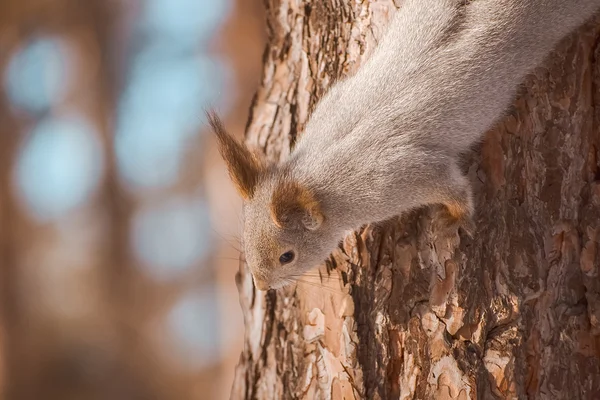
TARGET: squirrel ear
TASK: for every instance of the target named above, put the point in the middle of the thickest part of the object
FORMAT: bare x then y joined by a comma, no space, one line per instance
244,168
294,205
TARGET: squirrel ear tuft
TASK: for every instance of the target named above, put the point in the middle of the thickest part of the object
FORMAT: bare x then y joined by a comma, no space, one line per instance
294,205
245,169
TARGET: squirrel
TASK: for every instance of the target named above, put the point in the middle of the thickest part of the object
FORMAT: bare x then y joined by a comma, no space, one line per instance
389,138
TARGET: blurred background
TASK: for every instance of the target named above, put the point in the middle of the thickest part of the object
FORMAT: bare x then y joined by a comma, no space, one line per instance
118,224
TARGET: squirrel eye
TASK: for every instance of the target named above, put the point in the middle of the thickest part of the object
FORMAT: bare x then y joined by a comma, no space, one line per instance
286,257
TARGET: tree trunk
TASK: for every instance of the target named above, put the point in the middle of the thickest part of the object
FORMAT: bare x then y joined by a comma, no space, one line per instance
404,311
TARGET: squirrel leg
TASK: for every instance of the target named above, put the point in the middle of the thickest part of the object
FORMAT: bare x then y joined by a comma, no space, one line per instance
457,200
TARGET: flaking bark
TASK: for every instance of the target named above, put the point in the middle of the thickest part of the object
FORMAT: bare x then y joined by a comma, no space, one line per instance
405,309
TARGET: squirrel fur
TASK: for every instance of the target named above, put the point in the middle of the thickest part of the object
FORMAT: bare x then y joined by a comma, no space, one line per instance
388,139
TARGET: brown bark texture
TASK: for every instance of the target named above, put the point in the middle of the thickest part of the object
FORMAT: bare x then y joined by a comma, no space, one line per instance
402,310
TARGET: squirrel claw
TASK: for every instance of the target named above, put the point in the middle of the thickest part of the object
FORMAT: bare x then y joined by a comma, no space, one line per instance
467,225
451,222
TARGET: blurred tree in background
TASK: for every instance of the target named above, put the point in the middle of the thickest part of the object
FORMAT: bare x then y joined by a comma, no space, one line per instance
116,279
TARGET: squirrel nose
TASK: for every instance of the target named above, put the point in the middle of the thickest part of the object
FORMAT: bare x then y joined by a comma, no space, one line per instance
261,285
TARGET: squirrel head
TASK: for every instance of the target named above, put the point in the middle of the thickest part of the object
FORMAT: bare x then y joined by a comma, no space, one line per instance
285,231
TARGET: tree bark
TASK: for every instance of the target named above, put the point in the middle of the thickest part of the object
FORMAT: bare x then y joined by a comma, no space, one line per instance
404,311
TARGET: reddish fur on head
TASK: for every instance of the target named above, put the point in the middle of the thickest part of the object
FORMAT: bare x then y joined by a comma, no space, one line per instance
292,203
245,169
281,215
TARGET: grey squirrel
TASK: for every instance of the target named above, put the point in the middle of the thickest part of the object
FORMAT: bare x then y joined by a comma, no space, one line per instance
388,139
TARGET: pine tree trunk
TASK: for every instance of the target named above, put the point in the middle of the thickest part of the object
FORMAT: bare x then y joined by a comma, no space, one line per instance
404,312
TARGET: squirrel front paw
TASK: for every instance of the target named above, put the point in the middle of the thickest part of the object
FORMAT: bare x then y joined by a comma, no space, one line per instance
457,207
450,189
452,217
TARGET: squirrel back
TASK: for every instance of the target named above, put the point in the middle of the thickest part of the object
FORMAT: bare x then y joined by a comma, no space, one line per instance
444,73
388,138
